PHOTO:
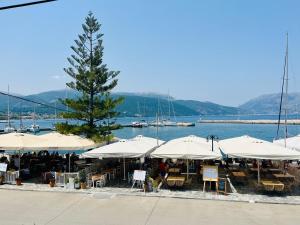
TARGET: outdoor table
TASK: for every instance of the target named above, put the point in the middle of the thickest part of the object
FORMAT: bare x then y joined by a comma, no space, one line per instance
96,177
255,170
110,172
239,174
272,185
284,176
175,181
80,162
174,170
274,170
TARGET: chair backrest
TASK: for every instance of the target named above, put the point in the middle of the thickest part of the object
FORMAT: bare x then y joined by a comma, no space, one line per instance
59,179
10,177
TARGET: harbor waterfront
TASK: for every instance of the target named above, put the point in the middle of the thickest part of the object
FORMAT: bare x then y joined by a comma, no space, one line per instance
127,113
219,127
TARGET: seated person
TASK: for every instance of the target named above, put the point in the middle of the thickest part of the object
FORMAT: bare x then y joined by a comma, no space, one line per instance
242,164
162,169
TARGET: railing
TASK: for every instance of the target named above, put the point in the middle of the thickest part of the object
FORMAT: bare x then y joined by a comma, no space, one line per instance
61,179
10,176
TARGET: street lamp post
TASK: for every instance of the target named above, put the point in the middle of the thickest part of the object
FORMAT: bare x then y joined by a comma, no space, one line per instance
212,138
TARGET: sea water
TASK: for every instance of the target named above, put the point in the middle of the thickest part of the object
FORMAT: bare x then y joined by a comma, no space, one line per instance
221,130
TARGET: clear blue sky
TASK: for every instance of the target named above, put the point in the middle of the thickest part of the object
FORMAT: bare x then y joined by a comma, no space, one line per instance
222,51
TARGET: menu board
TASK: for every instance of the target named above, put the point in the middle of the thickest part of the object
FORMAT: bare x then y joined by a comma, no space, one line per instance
210,173
3,167
139,175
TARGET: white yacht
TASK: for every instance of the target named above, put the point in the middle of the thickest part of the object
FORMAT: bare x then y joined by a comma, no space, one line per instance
139,124
9,129
22,128
169,123
34,128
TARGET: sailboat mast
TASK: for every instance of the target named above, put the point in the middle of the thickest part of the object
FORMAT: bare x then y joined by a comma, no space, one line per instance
55,112
21,122
8,108
169,105
286,88
34,115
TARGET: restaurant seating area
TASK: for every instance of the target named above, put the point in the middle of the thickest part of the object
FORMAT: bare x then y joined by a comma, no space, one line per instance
188,163
42,167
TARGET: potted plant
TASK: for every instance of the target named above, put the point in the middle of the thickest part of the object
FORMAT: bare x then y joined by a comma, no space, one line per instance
52,182
76,182
155,185
82,179
18,181
2,179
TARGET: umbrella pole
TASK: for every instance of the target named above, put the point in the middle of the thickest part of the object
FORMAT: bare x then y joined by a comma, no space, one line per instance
258,172
19,160
187,169
124,168
69,163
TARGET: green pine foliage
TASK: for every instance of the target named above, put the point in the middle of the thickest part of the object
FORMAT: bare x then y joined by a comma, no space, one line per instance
94,107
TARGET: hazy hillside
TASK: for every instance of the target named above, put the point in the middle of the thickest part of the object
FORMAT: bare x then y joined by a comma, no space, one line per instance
208,108
148,106
144,104
269,104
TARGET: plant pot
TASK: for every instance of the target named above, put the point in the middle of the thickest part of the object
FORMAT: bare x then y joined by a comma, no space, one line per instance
83,185
18,181
1,180
52,183
77,185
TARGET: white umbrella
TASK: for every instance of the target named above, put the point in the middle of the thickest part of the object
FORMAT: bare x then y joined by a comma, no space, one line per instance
190,147
292,142
253,148
57,141
20,141
137,147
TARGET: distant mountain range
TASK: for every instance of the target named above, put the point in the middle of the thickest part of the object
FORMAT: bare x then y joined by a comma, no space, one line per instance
148,104
135,104
269,104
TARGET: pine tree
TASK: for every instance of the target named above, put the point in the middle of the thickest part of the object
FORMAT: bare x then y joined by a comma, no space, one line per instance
92,79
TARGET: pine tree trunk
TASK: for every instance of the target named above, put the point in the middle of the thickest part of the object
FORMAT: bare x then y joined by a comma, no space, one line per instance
91,119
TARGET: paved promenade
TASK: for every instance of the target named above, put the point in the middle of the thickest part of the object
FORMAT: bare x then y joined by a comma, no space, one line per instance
41,208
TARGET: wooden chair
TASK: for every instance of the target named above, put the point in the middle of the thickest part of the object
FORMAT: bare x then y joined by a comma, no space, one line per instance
279,188
268,187
89,180
102,181
171,183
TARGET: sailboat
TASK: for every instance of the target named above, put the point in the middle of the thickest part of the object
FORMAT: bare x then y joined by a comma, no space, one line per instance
141,123
159,120
168,122
8,128
34,128
22,128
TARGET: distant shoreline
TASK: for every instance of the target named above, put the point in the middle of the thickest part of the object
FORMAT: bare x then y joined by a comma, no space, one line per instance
289,122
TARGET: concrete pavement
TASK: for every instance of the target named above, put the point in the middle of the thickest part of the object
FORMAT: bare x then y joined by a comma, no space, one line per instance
41,208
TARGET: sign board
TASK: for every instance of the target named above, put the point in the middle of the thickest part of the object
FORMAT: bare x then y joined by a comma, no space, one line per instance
3,167
139,175
222,182
210,173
